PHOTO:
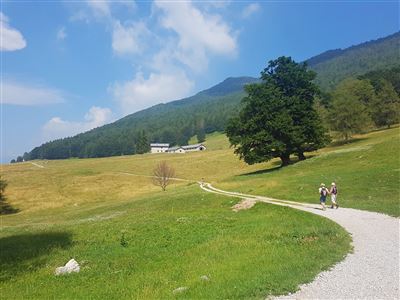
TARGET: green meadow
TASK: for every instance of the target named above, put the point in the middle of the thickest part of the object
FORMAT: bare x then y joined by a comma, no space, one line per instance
366,171
135,241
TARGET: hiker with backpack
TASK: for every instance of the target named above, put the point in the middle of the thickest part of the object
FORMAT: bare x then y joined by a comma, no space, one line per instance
333,192
323,192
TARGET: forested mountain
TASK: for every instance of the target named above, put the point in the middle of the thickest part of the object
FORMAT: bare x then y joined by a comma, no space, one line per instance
175,123
335,65
209,110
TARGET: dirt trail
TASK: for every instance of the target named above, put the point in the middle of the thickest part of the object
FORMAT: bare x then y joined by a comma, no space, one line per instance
370,272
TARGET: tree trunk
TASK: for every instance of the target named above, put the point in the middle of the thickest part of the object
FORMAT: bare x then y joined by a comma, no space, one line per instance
285,158
301,156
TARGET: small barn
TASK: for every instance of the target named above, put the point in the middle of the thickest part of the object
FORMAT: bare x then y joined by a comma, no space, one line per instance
195,147
158,147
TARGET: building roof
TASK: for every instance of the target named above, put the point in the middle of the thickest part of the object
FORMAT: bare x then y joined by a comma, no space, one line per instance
159,145
174,148
192,146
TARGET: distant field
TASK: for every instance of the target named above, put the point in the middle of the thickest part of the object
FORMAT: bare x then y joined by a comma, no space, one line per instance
81,208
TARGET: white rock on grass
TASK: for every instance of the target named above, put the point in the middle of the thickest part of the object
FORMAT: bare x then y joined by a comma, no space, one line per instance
205,278
180,290
70,267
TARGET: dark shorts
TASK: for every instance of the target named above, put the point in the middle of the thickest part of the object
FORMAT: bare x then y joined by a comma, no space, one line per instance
322,199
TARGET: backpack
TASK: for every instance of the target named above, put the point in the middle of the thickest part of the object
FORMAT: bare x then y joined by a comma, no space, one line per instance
324,191
334,190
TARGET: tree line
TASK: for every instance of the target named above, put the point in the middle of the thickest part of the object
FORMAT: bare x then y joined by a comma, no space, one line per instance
359,104
174,123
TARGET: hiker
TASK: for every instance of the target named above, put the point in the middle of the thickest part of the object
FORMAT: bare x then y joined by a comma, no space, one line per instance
333,192
323,192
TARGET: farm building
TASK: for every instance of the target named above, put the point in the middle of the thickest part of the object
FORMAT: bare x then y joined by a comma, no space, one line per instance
158,148
177,149
195,147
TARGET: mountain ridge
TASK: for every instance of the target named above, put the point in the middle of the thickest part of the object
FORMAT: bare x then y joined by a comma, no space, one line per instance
333,66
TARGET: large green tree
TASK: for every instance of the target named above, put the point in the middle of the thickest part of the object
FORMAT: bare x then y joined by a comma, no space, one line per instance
278,116
350,109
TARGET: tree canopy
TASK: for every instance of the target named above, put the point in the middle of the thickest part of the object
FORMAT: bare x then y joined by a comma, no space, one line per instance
278,116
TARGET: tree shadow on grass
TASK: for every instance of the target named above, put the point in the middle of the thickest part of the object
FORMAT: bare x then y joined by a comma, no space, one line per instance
277,167
263,171
28,252
346,142
7,209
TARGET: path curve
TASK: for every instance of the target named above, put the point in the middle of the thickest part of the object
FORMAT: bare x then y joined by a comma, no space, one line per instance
370,272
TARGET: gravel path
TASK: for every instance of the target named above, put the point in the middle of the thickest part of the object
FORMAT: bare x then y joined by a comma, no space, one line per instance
371,272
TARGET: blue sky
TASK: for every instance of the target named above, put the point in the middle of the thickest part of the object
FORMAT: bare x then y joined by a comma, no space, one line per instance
69,66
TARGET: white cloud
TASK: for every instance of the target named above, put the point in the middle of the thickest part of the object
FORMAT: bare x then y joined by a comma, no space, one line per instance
57,128
128,39
104,8
11,38
100,8
80,16
219,3
198,32
176,39
141,92
15,93
250,10
61,34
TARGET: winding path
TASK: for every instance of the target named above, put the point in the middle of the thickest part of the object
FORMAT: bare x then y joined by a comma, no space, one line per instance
370,272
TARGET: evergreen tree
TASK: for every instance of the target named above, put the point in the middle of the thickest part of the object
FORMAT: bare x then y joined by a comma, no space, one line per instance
25,157
201,135
142,144
5,208
278,116
3,185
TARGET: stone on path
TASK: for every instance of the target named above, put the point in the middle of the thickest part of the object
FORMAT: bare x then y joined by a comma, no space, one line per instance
71,266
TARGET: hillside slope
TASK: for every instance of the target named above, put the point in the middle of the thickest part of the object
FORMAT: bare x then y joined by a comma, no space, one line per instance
335,65
175,123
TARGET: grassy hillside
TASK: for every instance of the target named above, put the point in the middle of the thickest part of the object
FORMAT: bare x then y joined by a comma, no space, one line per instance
366,171
134,240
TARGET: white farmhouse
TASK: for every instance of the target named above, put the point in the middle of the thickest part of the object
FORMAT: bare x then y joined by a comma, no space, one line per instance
158,147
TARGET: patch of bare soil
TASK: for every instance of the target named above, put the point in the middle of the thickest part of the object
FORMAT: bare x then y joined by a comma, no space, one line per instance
244,204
